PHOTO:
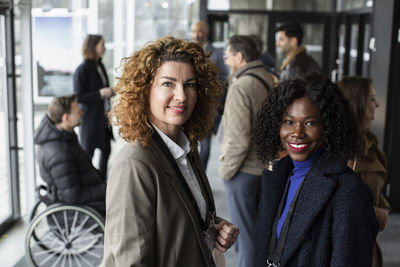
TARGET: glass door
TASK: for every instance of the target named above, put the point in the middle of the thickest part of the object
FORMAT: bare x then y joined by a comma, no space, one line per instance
353,54
5,181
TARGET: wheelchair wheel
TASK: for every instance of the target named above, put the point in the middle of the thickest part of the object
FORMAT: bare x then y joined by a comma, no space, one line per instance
65,235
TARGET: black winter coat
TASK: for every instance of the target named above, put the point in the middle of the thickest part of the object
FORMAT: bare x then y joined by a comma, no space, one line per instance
94,130
333,223
67,169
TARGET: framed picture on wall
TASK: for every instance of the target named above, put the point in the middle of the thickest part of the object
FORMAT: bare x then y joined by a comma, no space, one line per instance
56,40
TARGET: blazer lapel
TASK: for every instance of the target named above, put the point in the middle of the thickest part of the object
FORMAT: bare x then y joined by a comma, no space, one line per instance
180,190
314,195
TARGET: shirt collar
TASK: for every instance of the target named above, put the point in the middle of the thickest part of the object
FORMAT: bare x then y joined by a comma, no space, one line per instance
177,150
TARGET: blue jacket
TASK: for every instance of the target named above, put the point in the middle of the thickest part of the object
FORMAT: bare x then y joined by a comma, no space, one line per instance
333,223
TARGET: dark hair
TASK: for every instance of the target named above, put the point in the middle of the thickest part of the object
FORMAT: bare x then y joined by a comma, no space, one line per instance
259,43
245,45
340,130
133,89
59,106
89,46
356,90
292,30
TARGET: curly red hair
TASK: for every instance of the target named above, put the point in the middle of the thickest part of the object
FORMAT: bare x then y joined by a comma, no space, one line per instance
133,89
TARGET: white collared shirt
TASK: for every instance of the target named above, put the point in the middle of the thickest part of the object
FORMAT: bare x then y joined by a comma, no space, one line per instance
179,152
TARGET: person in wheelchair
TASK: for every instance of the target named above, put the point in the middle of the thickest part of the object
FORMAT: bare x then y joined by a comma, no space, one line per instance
63,164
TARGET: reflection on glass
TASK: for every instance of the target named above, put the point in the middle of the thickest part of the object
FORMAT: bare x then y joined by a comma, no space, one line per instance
248,24
366,55
219,33
353,4
342,51
353,49
5,189
292,5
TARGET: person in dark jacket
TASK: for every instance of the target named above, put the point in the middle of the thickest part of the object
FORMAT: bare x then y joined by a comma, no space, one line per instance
297,63
314,210
63,165
92,88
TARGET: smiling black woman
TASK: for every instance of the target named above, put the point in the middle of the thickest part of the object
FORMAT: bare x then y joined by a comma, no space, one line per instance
314,210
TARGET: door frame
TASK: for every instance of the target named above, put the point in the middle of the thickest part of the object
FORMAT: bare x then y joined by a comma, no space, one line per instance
11,107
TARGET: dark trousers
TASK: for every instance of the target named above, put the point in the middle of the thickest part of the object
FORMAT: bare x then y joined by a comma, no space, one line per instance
243,193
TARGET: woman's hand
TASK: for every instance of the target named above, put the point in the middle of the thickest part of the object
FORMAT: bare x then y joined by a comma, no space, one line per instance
227,235
106,92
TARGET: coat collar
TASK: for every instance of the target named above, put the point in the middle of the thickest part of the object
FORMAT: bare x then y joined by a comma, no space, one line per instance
319,185
251,65
290,57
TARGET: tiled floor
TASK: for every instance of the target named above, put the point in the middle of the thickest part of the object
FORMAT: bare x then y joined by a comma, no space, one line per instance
12,243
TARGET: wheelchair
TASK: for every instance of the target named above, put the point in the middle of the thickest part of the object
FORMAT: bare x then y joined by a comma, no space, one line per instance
63,235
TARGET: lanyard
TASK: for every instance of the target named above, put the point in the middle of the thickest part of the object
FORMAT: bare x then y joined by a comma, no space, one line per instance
276,246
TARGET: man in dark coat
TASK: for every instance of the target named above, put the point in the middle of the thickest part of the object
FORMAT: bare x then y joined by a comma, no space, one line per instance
297,63
64,166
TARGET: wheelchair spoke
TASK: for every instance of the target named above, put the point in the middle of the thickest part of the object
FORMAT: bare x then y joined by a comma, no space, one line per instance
51,255
59,228
60,257
65,235
64,260
85,260
85,232
76,260
70,260
74,221
79,226
76,231
66,223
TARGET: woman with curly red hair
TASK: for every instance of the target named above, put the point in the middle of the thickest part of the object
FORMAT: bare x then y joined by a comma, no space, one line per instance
160,208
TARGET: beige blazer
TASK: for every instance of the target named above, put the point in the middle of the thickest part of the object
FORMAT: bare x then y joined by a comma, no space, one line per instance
151,220
244,100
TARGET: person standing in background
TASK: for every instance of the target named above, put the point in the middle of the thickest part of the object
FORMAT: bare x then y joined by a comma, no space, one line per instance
297,63
370,164
199,33
93,91
249,83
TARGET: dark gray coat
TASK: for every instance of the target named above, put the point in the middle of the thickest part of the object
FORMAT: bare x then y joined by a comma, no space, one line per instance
333,223
94,130
67,169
